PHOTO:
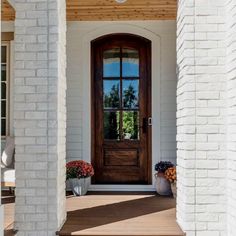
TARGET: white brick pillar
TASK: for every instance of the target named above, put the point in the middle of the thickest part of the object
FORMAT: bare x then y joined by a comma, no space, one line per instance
231,72
201,117
40,116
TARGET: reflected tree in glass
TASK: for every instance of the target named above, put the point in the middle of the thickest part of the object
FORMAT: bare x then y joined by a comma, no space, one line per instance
111,98
130,93
112,125
131,125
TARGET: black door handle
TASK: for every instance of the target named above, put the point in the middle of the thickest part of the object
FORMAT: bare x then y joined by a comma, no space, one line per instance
145,125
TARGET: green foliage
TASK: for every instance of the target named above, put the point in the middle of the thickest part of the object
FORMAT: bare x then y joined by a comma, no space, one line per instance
130,99
130,119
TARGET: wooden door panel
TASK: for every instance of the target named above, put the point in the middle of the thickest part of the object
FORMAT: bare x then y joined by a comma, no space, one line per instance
125,157
121,98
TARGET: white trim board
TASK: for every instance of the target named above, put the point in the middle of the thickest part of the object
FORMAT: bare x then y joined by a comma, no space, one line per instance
117,27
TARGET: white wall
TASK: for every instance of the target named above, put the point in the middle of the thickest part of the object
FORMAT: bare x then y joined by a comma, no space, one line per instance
163,36
231,130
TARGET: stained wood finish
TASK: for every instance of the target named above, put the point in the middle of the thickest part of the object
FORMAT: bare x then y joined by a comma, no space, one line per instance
121,214
8,184
7,36
110,214
7,11
96,10
121,160
131,10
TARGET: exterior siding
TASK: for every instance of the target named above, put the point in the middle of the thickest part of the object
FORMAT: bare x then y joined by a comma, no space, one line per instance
75,76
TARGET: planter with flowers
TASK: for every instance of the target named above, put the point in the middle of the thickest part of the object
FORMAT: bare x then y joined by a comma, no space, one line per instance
79,173
162,184
170,175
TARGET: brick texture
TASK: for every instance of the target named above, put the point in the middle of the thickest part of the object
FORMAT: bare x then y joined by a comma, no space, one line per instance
201,117
40,116
231,88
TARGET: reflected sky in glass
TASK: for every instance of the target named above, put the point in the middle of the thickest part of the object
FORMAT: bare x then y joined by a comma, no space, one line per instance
111,63
130,63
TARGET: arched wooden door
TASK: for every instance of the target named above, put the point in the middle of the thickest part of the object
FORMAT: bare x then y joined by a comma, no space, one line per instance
121,109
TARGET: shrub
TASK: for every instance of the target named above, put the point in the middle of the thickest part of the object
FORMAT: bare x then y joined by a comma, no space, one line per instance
79,169
170,174
162,166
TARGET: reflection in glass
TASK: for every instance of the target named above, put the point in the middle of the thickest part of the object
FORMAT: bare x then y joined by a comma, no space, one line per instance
112,125
130,93
3,109
3,127
3,73
131,125
3,90
130,63
3,54
111,63
111,93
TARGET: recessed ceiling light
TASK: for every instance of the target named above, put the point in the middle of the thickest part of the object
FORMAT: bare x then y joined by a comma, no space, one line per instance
121,1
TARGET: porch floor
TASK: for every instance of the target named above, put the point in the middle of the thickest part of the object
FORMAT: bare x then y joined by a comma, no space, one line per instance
121,214
8,200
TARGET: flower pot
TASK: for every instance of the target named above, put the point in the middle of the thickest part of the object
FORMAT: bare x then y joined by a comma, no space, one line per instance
174,189
79,187
162,185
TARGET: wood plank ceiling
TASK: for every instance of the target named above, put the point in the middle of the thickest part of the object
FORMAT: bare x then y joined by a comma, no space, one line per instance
97,10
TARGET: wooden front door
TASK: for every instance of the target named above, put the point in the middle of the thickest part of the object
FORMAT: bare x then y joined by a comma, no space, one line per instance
121,110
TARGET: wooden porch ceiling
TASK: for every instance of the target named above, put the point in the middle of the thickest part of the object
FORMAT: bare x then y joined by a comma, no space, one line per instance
97,10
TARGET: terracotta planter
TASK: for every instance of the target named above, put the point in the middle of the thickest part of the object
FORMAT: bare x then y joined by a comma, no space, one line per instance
174,189
162,185
79,187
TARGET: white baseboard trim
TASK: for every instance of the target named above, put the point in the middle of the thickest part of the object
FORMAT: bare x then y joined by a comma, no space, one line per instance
125,188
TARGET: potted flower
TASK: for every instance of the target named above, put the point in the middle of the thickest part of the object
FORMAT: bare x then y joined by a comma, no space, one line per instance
78,173
171,176
162,184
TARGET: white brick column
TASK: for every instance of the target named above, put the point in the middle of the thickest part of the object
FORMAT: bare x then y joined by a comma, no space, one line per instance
201,117
40,116
231,70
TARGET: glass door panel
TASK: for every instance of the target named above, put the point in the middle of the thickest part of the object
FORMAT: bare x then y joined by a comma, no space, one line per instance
111,63
130,63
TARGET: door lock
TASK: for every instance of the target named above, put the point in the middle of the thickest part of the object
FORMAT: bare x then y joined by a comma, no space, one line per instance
150,121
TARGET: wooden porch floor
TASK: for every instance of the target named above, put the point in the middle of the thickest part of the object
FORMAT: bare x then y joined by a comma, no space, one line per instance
111,214
121,214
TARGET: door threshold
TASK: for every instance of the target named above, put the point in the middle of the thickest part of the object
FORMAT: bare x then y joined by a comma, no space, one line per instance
125,188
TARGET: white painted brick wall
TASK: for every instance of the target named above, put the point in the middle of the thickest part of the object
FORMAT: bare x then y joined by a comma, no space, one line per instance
75,76
40,116
201,117
231,69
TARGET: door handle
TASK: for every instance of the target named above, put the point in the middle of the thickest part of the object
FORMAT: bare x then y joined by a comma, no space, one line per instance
145,125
